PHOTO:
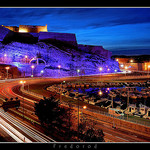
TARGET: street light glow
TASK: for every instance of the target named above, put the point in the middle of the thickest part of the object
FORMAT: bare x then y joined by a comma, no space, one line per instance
78,70
100,68
131,60
59,66
126,67
100,92
84,107
7,68
21,82
32,66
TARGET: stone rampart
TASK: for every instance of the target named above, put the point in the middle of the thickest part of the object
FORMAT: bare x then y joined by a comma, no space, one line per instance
65,37
32,28
99,50
4,32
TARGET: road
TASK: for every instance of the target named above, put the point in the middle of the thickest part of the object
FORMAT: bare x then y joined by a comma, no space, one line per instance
15,126
12,89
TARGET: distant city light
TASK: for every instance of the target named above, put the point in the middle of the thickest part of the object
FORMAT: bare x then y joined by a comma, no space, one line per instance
5,55
131,60
42,71
122,65
126,67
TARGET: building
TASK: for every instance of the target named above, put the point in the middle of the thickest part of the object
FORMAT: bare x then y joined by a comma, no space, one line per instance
27,28
133,63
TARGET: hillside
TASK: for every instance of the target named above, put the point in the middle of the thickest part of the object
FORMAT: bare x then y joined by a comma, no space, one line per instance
69,57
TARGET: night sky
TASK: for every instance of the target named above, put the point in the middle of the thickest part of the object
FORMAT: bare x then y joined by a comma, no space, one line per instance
120,30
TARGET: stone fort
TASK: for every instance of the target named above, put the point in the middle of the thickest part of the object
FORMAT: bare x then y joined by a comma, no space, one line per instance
34,33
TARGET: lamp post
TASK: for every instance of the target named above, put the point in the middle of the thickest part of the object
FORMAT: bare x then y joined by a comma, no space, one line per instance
78,70
59,66
7,68
42,71
148,69
100,69
23,82
26,58
5,57
100,93
126,69
32,70
84,107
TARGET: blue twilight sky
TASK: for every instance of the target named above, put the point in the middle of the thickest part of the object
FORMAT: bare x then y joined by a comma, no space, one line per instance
116,29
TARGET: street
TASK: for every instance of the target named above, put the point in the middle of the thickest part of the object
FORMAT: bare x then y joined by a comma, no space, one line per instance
15,118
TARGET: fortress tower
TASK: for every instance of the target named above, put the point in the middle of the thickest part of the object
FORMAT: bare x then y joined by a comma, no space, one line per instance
32,29
27,28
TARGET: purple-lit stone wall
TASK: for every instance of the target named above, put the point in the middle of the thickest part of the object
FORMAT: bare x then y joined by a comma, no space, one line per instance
70,60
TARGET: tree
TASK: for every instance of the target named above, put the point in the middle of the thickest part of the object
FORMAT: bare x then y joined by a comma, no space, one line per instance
89,133
47,110
53,116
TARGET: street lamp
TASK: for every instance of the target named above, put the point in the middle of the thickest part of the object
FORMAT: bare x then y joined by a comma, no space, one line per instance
23,82
26,58
100,92
78,70
32,70
148,69
42,71
84,107
100,68
7,68
59,66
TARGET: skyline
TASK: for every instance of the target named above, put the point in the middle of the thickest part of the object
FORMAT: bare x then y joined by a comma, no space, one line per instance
116,29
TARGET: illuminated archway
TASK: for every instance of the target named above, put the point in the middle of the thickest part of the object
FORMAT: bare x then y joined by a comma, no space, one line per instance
38,61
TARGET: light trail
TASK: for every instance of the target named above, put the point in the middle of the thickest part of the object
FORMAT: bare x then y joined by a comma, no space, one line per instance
11,125
25,130
13,132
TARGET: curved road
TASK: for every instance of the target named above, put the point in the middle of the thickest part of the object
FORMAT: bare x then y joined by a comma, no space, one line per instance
12,89
13,122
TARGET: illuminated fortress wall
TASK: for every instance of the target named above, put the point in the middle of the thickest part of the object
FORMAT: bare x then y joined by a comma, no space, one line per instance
12,28
33,29
27,28
42,34
16,43
65,37
99,50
